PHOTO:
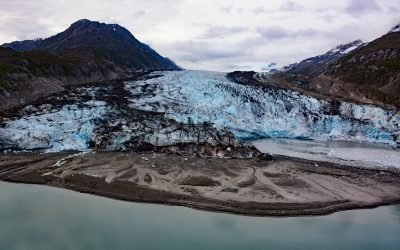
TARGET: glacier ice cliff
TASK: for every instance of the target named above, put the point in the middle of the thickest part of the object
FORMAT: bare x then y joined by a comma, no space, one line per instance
69,128
100,118
253,112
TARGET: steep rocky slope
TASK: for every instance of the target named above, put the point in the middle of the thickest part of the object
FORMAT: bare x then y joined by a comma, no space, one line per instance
374,70
364,73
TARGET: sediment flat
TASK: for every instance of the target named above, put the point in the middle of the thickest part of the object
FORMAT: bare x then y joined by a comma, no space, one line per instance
281,187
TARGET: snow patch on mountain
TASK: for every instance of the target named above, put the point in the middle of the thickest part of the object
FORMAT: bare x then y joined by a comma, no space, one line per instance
395,29
251,112
346,48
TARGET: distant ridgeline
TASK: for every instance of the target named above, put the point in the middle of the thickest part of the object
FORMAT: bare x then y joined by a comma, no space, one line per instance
87,51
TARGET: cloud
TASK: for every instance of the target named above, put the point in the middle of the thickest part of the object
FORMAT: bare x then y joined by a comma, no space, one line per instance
23,29
360,7
139,13
226,9
196,51
291,6
259,10
277,33
273,33
220,31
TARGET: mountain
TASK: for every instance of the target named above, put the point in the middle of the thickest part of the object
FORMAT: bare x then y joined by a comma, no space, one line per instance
315,65
23,45
358,72
373,70
89,41
87,51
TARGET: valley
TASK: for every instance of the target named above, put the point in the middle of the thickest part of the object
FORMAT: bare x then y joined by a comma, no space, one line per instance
124,122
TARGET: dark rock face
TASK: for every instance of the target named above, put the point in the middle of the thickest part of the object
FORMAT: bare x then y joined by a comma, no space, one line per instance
265,157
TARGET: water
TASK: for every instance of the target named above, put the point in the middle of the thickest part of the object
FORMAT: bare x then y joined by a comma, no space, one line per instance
39,217
369,155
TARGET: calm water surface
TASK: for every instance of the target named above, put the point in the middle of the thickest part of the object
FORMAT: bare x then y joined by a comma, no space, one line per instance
38,217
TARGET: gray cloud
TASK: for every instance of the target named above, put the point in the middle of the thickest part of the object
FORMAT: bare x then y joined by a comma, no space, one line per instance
220,31
197,51
359,7
226,9
259,10
277,33
24,29
139,13
291,6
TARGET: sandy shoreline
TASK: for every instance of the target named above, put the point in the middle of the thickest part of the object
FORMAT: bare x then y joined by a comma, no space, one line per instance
282,187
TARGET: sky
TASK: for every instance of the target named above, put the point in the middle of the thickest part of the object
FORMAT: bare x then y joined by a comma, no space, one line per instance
220,35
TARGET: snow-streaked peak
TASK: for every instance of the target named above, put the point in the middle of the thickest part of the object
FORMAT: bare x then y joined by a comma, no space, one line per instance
329,57
395,28
346,48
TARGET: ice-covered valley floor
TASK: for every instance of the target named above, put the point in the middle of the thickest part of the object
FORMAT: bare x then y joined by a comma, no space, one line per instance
355,154
252,112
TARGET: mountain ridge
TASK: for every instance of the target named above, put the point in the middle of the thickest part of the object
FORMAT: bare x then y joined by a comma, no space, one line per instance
315,65
359,72
93,40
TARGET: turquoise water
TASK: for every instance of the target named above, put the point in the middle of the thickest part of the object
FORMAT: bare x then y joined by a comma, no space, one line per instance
39,217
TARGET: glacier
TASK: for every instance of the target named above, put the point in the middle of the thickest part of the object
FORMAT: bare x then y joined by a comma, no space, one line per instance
69,128
99,118
252,112
175,107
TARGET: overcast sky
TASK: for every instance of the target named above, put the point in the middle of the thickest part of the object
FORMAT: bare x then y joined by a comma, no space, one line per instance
214,35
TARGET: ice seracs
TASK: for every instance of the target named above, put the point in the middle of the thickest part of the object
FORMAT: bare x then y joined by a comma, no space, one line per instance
250,112
70,128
